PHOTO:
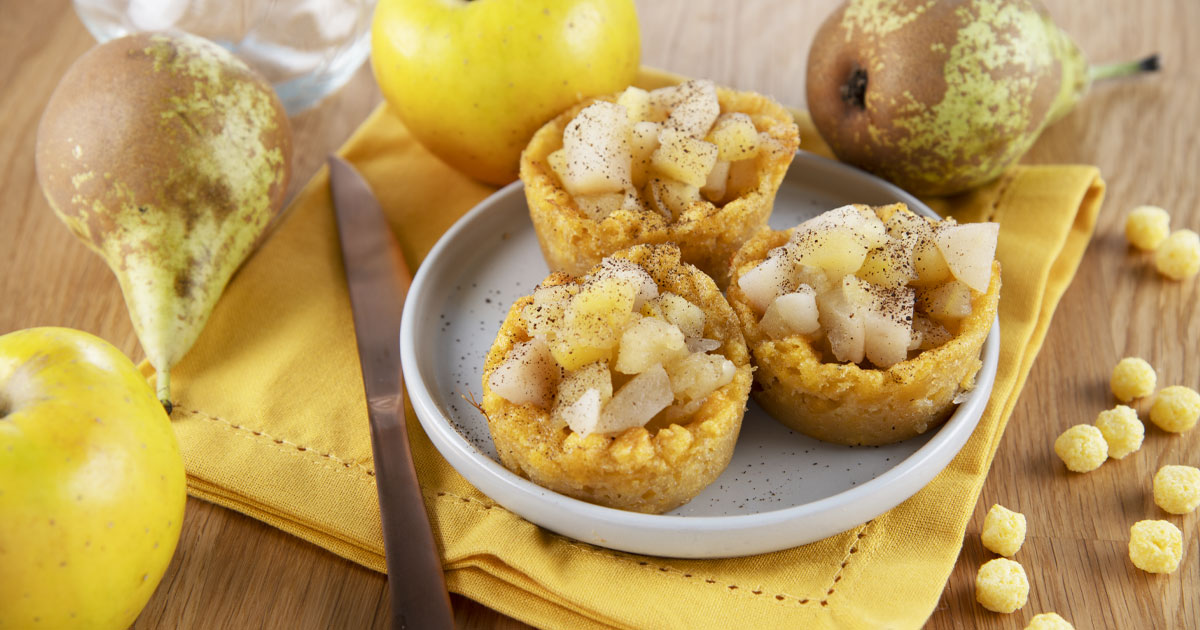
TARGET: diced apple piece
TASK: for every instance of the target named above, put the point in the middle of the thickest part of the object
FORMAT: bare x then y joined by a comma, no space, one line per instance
670,198
887,325
598,207
675,309
889,266
768,280
648,342
696,110
698,375
636,102
792,313
596,145
637,401
718,177
683,158
841,316
643,141
945,302
743,178
928,334
735,137
592,322
545,314
528,375
633,273
969,249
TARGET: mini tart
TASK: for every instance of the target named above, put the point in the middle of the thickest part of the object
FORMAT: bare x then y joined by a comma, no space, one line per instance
707,235
649,469
846,403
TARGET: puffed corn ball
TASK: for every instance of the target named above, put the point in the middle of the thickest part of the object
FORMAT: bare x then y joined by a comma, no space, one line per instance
1121,430
1177,489
1175,409
1155,546
1001,585
1082,448
1147,226
1132,378
1003,530
1178,257
1049,621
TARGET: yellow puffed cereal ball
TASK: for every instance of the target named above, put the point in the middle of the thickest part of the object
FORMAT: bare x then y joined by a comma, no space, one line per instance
1001,585
1155,546
1132,378
1178,257
1003,530
1121,430
1082,448
1049,621
1175,409
1177,489
1147,226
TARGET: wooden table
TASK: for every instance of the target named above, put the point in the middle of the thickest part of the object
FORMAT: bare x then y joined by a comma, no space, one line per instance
234,572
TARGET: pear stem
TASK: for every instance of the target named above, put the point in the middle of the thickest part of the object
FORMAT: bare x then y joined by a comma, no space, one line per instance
164,390
1124,69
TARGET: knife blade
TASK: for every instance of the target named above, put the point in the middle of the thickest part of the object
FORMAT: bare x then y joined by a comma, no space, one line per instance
378,279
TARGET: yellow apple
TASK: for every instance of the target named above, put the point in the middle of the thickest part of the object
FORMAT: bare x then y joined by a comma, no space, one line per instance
473,80
92,487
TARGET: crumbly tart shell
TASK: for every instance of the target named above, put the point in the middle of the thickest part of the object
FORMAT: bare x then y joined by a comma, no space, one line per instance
707,235
848,404
649,469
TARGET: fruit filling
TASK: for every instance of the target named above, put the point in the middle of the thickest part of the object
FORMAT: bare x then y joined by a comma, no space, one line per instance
612,353
658,151
874,284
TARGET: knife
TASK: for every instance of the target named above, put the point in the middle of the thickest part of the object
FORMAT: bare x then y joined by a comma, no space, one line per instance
378,280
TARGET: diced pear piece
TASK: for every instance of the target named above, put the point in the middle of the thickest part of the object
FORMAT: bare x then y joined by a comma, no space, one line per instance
596,145
545,314
696,109
670,198
969,249
928,334
648,342
743,178
887,325
699,374
792,313
840,315
916,234
889,266
592,322
528,375
950,301
662,101
598,207
929,264
714,189
582,395
557,160
814,277
636,102
834,241
701,344
675,309
768,280
735,137
634,274
643,141
583,414
683,158
636,402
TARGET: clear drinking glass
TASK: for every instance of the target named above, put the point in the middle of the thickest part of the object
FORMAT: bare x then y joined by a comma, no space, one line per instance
305,48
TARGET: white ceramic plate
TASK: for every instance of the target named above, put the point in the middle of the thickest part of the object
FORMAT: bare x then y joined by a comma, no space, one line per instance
782,489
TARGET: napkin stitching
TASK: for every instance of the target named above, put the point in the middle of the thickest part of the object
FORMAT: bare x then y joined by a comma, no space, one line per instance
279,443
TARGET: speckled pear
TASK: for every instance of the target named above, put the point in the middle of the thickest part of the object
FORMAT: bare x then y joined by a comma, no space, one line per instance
168,157
941,96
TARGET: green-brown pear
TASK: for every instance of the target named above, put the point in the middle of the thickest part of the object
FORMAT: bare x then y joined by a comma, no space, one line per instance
942,96
168,157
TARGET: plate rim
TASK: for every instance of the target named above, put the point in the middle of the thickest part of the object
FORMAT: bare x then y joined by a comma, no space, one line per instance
912,473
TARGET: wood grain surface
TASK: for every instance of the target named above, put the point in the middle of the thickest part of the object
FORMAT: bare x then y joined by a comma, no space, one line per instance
233,572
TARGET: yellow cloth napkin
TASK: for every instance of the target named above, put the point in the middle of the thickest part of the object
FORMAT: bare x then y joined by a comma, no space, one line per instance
272,423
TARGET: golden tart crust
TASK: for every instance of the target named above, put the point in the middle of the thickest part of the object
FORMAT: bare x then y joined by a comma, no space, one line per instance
707,235
848,404
649,469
